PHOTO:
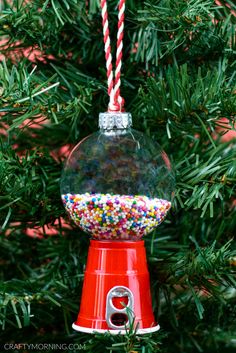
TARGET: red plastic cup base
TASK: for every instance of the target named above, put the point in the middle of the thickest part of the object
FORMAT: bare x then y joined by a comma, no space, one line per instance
111,265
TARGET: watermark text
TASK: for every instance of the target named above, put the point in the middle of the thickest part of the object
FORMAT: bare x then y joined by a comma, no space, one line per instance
44,346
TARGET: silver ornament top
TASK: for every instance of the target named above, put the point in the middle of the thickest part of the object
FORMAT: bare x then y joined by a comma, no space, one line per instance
115,120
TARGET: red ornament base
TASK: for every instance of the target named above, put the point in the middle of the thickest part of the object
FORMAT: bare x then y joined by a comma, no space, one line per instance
116,289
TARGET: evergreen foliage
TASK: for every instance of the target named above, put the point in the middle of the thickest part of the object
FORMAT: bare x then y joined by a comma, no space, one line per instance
179,81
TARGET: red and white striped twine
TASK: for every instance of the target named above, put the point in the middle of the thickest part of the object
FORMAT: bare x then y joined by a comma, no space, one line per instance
116,101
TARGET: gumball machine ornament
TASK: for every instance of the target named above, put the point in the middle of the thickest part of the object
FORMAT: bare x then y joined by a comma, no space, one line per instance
117,186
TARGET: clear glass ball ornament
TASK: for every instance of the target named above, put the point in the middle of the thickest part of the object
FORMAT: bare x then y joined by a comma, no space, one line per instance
117,183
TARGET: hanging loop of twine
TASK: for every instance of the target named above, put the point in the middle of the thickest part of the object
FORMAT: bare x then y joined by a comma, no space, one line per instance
116,102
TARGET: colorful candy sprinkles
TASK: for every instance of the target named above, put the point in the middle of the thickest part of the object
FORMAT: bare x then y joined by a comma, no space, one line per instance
108,216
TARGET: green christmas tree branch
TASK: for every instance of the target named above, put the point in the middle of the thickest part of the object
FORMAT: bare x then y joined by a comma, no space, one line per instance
178,80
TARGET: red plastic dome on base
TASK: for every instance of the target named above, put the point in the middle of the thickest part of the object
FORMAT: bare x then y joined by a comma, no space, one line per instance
116,291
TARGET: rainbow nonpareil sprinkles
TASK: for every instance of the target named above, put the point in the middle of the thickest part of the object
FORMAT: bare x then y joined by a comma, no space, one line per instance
107,216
